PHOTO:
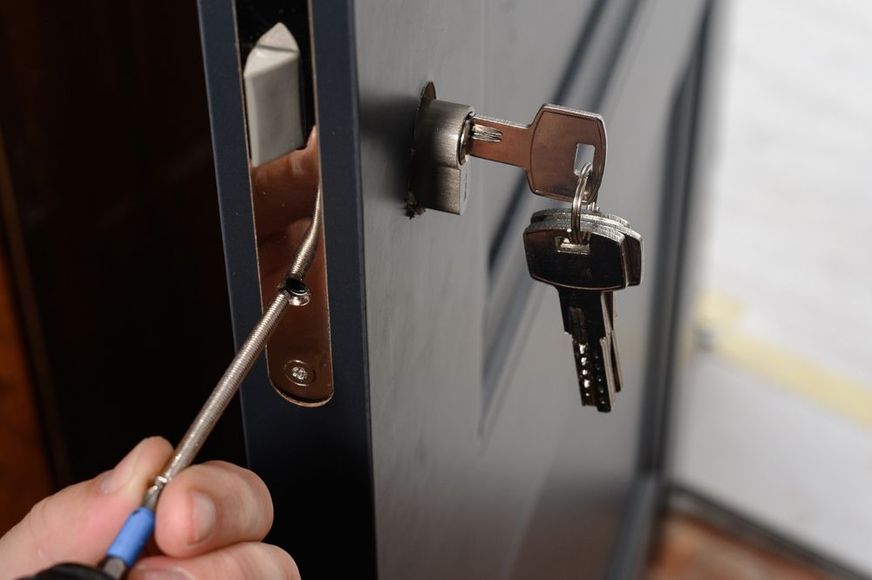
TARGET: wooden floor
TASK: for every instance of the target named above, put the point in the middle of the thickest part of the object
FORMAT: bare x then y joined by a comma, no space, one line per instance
692,550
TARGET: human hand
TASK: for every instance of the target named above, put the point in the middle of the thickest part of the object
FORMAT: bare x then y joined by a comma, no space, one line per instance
210,522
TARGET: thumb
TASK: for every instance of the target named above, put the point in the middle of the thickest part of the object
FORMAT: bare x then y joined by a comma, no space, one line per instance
78,523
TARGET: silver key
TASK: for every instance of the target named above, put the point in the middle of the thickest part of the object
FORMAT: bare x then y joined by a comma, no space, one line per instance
546,148
585,277
609,303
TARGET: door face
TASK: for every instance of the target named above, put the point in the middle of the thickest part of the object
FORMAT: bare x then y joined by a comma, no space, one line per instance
455,444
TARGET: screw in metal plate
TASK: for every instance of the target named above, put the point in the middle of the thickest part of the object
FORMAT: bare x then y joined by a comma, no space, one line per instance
298,293
299,373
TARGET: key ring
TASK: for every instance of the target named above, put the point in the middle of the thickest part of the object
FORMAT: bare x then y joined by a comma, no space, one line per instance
584,199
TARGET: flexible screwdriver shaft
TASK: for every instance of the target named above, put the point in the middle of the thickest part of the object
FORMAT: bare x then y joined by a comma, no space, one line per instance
199,431
138,528
215,406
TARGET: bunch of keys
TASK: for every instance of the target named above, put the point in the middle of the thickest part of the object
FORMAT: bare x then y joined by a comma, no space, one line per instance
584,253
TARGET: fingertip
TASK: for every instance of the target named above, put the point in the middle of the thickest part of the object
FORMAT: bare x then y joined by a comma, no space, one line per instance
156,448
283,565
245,561
159,568
141,462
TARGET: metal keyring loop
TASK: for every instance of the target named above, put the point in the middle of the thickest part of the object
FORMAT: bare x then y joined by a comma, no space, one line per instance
584,199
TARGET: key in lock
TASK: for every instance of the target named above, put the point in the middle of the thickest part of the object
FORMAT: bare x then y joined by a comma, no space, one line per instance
585,254
447,133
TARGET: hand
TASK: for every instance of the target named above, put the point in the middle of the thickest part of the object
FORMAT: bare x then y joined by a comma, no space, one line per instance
210,522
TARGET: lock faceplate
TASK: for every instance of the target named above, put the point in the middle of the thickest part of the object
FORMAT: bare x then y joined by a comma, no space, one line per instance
285,181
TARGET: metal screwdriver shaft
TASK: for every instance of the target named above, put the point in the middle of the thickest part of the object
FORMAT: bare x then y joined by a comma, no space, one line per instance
138,528
199,431
292,292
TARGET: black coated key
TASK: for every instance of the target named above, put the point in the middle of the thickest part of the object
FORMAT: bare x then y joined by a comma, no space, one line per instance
585,275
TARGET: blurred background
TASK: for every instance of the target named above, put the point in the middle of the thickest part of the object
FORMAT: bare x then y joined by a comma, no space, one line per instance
770,451
773,409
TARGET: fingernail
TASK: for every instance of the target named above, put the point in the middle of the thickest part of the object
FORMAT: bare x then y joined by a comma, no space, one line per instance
121,473
162,574
204,516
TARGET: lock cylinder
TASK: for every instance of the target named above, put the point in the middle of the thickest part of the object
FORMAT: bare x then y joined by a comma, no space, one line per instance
439,170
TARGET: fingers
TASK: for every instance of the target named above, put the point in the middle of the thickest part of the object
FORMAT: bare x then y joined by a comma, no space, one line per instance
245,561
210,506
79,522
206,507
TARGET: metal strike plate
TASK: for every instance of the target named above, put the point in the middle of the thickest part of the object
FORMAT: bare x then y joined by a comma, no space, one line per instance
298,355
285,177
439,168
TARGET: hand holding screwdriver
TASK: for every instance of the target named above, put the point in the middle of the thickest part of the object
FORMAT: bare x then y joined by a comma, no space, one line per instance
210,521
188,526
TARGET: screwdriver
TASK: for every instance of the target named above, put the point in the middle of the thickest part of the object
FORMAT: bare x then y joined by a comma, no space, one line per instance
139,527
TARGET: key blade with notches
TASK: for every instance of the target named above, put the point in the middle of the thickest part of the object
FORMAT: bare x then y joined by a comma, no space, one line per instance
546,148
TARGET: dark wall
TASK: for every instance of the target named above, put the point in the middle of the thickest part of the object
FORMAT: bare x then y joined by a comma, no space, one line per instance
111,223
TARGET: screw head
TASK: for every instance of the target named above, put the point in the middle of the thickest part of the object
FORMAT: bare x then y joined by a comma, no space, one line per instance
299,373
298,293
